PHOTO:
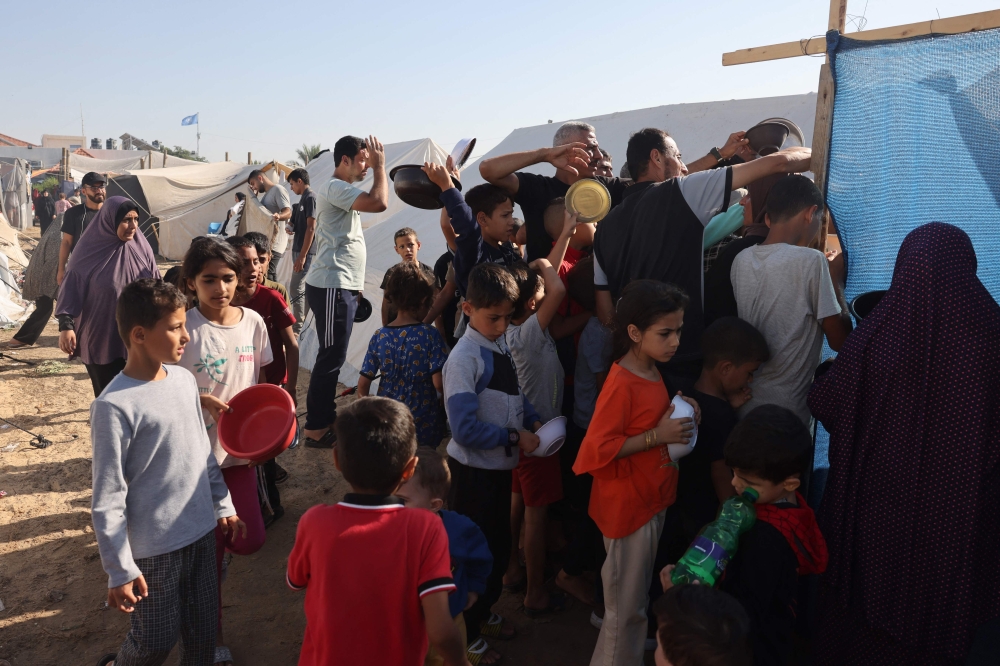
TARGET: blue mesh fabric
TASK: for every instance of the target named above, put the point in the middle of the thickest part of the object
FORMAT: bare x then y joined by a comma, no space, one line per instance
916,139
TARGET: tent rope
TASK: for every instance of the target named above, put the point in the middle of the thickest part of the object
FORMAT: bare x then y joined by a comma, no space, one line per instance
37,441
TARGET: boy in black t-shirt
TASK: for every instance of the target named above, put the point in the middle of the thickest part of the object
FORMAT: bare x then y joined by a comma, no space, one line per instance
407,245
770,450
733,350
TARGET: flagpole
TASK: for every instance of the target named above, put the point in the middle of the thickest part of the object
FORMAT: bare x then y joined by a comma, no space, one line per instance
197,124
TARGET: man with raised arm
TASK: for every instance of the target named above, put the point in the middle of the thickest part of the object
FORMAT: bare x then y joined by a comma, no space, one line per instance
337,275
575,154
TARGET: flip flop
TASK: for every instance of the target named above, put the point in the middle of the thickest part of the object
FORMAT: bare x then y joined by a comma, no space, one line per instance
477,651
493,627
557,603
222,655
325,442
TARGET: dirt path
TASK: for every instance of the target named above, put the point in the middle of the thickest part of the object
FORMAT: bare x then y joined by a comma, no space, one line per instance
52,586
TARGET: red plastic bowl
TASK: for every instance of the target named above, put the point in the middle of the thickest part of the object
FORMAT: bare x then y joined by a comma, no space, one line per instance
260,425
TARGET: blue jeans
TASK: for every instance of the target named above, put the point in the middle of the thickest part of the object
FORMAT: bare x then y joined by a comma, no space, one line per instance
333,313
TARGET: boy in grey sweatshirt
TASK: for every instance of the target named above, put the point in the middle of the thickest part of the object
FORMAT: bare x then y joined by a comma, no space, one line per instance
158,491
490,420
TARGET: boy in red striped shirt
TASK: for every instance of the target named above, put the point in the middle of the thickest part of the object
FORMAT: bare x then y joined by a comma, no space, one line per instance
377,575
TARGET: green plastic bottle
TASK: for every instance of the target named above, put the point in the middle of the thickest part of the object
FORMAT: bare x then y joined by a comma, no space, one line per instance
709,554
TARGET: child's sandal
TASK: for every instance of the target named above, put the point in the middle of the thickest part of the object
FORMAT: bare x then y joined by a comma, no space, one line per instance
493,628
477,651
324,442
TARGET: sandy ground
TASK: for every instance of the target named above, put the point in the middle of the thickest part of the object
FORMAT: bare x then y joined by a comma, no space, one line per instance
53,589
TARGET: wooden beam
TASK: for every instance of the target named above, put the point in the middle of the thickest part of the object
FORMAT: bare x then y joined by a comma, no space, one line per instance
822,131
947,26
838,15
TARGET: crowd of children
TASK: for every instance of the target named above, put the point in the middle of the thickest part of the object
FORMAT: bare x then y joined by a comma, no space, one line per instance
407,567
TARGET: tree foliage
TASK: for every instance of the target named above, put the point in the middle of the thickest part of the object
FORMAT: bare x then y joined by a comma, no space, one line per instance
50,183
306,153
184,153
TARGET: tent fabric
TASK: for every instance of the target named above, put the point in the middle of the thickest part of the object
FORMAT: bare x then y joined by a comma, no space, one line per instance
133,160
12,308
186,199
15,192
257,218
9,245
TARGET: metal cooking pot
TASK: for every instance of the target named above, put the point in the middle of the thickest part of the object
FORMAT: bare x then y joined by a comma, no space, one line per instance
414,187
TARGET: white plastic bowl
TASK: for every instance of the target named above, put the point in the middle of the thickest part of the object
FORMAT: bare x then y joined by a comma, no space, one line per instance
682,410
552,436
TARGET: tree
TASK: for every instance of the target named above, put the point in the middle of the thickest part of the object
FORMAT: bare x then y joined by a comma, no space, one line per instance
50,183
184,153
306,153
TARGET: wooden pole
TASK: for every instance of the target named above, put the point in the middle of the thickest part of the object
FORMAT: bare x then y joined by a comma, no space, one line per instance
838,15
946,26
822,132
823,125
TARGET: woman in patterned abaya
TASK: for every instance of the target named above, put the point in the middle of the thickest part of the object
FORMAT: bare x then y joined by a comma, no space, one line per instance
911,512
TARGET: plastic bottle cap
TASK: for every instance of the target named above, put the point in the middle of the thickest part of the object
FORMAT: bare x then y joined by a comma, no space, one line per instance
751,495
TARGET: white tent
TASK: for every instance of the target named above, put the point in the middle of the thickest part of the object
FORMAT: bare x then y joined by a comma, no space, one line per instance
12,309
132,160
695,127
186,199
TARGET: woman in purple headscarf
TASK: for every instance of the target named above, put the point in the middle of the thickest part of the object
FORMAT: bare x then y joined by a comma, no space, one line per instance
111,253
911,511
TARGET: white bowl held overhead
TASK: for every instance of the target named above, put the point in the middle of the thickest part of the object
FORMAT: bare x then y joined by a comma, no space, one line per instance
682,410
551,436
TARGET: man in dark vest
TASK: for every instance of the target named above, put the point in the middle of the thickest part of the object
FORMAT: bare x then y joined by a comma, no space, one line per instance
658,230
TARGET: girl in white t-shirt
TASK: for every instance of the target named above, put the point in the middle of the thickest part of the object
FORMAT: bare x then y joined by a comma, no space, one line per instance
227,351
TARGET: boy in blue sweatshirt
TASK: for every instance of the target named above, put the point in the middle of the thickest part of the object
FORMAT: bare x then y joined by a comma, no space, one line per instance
471,560
483,220
490,421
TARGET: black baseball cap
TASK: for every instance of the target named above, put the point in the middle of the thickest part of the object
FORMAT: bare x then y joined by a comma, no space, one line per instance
94,178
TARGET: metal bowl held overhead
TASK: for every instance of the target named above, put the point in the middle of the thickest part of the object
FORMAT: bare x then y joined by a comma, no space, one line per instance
588,199
795,136
462,150
766,138
414,187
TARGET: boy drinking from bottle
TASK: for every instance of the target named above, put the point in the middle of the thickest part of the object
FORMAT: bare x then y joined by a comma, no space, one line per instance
770,451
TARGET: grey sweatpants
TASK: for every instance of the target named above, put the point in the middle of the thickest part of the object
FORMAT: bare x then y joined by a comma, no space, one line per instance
627,573
182,604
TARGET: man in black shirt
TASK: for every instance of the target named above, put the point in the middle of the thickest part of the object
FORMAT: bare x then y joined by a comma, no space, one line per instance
574,154
76,219
303,245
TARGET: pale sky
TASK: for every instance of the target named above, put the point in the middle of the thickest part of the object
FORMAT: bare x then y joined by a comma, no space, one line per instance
266,79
